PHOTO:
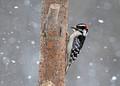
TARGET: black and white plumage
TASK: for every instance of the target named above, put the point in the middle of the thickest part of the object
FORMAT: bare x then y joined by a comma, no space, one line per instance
75,43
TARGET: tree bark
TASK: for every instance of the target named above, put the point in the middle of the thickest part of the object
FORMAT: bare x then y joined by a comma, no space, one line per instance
54,22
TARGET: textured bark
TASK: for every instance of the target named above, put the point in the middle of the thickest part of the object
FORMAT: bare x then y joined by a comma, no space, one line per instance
54,22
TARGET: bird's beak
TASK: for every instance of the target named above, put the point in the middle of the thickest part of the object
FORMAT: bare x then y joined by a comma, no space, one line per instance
74,27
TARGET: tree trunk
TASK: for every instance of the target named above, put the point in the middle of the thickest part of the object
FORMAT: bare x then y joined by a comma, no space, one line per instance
54,22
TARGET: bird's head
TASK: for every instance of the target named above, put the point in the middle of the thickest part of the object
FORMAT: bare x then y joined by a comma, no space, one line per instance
83,28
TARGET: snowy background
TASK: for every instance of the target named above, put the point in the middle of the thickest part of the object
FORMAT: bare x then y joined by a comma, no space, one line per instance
97,65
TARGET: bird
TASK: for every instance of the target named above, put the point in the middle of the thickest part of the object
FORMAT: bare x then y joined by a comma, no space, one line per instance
75,43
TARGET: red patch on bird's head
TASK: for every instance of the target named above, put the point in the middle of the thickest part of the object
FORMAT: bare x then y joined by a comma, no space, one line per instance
86,26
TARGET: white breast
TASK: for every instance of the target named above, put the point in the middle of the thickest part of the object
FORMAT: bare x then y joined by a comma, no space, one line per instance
71,39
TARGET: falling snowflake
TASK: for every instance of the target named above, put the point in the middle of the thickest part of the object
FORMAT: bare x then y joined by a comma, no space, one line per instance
2,82
78,77
37,62
3,39
17,47
11,32
114,78
105,47
100,21
13,61
29,77
101,59
16,7
114,60
33,42
10,12
18,41
98,6
106,69
1,53
91,64
6,60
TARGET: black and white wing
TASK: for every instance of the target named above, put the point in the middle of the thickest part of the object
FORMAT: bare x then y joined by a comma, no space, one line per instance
75,50
76,47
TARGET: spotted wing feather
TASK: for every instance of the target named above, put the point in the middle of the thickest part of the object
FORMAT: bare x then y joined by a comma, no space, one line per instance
78,42
77,45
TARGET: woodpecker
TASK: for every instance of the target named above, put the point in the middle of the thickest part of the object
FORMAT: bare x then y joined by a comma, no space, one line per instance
75,43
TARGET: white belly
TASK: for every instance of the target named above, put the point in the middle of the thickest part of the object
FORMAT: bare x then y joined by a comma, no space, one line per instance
71,39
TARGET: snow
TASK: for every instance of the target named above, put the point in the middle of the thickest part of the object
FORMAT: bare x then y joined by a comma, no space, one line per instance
32,42
16,53
17,47
16,7
11,32
18,41
105,47
98,6
1,53
106,69
13,61
101,59
2,82
114,78
91,64
37,62
19,58
3,39
114,60
78,77
101,21
6,60
10,12
29,77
